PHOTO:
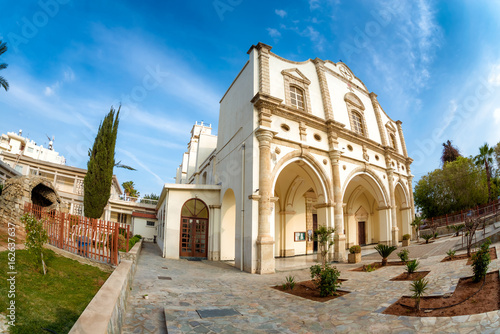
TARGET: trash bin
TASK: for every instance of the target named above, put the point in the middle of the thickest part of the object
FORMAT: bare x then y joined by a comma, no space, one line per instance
83,244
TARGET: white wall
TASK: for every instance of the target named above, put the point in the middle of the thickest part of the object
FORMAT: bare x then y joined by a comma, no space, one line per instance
141,228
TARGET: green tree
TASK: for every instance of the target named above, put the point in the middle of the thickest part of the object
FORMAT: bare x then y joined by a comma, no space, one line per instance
497,155
97,181
485,158
450,153
3,82
457,186
36,237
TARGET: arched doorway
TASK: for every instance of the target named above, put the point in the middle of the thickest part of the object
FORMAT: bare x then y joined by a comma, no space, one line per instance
366,215
298,188
194,229
228,226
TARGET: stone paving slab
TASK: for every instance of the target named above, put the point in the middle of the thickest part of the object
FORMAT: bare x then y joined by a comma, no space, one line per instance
205,285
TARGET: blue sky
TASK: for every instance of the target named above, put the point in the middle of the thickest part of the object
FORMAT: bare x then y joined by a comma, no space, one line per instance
435,65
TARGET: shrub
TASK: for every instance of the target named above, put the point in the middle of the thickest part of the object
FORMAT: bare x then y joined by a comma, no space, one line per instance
138,236
36,237
436,235
289,283
122,242
418,287
355,249
456,228
326,279
384,251
368,268
427,237
406,237
481,260
412,266
451,253
404,255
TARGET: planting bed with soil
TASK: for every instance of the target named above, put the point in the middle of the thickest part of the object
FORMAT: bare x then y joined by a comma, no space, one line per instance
308,290
468,298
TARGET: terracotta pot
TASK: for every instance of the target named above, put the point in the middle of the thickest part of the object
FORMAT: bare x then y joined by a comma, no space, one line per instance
406,243
354,258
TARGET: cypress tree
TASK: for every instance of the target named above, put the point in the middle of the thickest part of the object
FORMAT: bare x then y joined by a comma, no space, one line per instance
97,181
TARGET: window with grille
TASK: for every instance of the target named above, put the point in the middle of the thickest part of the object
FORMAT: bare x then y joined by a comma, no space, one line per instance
149,223
357,123
297,97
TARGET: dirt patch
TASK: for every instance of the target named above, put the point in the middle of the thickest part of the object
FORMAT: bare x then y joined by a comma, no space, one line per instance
410,277
468,298
378,265
493,256
308,290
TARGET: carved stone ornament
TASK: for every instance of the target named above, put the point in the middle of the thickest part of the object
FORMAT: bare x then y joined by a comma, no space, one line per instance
365,154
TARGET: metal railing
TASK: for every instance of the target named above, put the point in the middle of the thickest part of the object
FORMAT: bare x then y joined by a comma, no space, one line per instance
92,238
492,208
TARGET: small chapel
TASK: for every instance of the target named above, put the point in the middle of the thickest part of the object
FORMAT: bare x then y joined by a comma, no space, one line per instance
299,145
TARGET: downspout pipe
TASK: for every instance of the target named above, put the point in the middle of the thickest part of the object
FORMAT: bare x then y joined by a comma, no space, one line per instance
242,220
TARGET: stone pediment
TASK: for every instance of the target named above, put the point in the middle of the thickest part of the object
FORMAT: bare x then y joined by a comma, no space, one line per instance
361,213
297,75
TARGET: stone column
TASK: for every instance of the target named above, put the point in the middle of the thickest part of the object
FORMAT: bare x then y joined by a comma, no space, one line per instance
339,236
309,225
265,242
323,86
214,242
264,82
390,178
402,138
375,105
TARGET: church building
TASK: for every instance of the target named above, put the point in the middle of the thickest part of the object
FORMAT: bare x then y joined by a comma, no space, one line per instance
299,145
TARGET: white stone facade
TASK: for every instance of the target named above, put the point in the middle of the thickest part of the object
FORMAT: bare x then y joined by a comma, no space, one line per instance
300,144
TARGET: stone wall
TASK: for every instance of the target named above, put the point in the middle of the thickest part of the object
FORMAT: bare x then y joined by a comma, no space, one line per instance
106,311
25,189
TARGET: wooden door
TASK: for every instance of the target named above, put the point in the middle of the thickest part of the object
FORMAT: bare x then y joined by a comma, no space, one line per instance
194,229
315,227
361,233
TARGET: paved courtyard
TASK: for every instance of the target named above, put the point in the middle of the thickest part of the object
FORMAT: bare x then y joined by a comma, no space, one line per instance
190,286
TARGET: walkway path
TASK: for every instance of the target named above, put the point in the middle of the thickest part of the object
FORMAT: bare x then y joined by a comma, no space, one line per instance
208,285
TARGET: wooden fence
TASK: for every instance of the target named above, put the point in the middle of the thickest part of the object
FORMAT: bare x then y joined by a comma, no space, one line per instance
92,238
489,209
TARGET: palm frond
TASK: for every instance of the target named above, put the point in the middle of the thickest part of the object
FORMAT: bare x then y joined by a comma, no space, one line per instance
3,66
3,48
4,83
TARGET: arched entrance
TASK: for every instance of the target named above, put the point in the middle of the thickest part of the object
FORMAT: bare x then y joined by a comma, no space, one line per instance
228,226
298,189
366,214
194,229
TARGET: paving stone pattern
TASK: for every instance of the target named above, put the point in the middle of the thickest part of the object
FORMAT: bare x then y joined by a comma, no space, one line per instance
208,285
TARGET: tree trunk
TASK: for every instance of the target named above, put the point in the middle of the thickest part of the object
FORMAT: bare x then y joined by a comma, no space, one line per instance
384,261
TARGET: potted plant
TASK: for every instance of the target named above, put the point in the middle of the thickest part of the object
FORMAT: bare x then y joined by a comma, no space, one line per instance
354,254
406,240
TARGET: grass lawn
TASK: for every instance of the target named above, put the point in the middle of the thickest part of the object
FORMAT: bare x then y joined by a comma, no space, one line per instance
54,301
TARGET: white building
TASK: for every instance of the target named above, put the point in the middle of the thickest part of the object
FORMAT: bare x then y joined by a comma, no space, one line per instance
299,144
17,144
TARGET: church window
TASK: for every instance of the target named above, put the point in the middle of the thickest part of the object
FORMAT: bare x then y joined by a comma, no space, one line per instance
393,141
297,97
357,122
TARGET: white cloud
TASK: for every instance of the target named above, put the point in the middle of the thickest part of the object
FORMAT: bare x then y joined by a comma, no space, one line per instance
69,75
274,33
314,4
48,91
494,77
280,12
496,115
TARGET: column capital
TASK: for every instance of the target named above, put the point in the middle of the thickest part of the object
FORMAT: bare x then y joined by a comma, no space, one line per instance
264,136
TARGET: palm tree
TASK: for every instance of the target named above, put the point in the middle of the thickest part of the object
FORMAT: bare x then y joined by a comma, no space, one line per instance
3,82
384,251
485,158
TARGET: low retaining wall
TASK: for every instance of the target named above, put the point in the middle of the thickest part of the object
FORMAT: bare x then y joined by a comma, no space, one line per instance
106,311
